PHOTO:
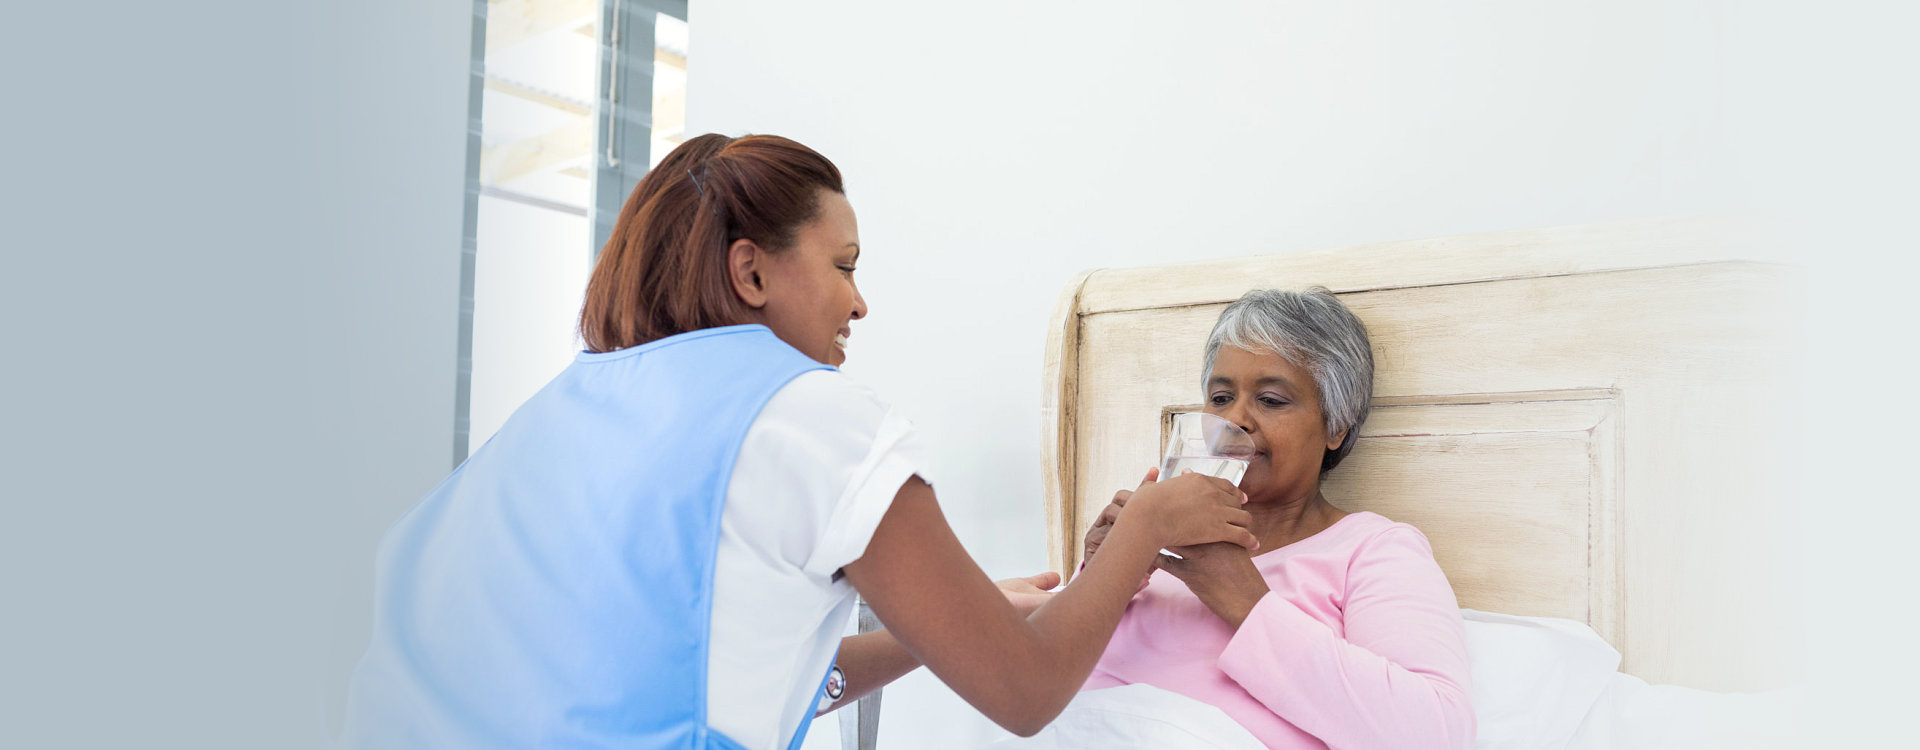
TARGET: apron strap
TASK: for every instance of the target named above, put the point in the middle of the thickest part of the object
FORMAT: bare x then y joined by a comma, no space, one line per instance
806,719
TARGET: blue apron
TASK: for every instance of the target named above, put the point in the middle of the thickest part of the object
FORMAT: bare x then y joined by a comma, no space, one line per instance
555,591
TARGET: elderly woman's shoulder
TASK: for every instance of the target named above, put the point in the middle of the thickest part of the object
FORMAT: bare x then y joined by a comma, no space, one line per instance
1375,534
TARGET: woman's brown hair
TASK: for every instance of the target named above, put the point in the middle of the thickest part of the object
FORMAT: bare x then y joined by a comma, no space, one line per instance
664,269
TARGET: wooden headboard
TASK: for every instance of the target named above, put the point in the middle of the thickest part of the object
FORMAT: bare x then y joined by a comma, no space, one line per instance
1593,422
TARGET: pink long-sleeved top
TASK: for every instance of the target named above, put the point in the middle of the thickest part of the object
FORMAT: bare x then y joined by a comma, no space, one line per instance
1359,644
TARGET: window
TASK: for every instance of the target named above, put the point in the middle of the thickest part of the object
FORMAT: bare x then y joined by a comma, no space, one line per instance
572,101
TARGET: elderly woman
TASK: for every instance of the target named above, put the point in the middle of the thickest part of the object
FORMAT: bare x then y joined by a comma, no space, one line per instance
1339,630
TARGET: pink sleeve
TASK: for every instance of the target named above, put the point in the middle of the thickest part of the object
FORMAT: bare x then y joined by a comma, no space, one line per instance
1398,678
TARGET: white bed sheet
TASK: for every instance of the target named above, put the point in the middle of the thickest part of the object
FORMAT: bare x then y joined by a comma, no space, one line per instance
1556,661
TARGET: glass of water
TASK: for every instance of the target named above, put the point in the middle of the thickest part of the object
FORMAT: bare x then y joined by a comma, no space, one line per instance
1206,444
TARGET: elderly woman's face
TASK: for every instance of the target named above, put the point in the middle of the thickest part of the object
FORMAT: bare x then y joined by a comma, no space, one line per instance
1279,404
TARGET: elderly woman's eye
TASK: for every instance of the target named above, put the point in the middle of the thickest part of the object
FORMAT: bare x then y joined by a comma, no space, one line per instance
1271,401
1220,399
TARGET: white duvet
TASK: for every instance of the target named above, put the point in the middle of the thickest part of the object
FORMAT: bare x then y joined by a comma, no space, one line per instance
1136,716
1539,684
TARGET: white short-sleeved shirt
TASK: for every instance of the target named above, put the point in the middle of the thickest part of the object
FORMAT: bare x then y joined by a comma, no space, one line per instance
818,468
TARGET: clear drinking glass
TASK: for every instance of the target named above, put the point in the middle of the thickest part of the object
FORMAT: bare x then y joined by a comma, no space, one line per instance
1206,444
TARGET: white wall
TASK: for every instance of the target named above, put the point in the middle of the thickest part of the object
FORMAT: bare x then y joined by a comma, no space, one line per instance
994,149
231,244
530,277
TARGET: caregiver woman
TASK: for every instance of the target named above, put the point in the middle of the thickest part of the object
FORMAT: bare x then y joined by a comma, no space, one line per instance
660,549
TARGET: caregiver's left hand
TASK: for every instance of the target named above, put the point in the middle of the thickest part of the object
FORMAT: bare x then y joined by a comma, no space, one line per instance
1222,574
1027,594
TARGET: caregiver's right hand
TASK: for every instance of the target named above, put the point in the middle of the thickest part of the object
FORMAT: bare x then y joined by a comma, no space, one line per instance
1191,509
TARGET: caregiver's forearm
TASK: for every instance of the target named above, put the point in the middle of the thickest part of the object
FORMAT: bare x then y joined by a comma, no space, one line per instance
870,661
939,604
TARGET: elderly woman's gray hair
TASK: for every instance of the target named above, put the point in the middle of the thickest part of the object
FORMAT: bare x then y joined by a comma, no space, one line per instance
1315,332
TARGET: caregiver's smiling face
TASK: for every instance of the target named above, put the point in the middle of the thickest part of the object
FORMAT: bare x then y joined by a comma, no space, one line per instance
811,297
1277,403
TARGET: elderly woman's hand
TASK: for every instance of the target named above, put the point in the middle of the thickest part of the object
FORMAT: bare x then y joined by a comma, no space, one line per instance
1029,593
1222,574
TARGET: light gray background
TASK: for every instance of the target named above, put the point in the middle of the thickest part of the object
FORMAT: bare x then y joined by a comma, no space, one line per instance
231,254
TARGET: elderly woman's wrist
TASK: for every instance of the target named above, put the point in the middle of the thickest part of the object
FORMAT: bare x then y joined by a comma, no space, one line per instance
1236,611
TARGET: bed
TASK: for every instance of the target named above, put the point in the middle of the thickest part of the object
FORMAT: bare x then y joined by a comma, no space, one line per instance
1590,423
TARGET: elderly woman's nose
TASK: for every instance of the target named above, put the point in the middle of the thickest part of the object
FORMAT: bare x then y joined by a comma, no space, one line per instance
1237,414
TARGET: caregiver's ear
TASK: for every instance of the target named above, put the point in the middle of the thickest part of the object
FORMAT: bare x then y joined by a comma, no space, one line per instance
745,262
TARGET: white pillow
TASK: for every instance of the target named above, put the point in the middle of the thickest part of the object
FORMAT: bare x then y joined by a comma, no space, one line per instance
1534,678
